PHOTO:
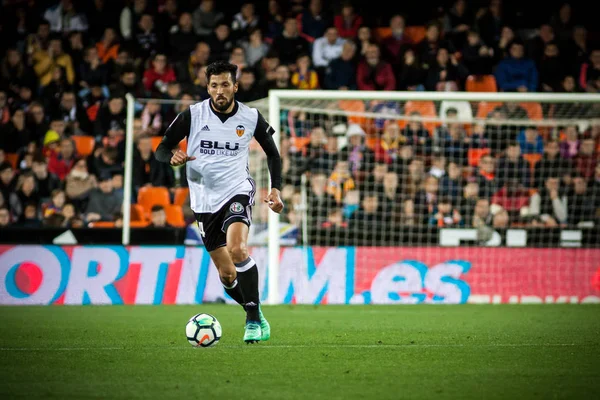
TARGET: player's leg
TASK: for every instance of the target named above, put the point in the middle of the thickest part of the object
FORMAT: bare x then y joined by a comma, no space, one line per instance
227,274
247,275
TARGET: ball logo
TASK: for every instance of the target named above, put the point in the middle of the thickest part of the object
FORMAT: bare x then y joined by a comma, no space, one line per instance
240,130
236,208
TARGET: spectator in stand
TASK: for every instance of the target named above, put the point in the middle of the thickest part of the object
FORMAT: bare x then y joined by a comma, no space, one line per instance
590,72
108,46
152,119
512,197
111,118
513,167
14,135
391,196
8,180
445,215
220,42
394,46
5,218
254,47
105,163
447,73
188,70
244,21
412,74
61,163
580,204
237,57
46,182
385,107
282,78
478,58
549,204
456,23
363,40
45,61
147,40
490,22
388,147
314,20
158,76
55,204
25,193
326,48
374,73
569,146
79,182
536,45
4,108
467,202
451,184
551,164
15,72
531,141
426,199
147,170
369,218
358,155
340,181
304,77
482,215
341,72
182,38
316,157
75,116
319,200
64,18
427,49
562,22
516,73
438,166
486,177
103,202
586,160
206,18
272,23
248,88
416,134
158,217
130,16
552,68
374,181
347,21
289,44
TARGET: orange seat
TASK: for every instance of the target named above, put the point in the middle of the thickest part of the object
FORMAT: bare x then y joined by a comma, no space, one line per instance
300,142
151,196
481,83
486,107
174,215
532,159
181,195
138,213
84,145
534,110
415,33
382,32
354,106
371,142
138,224
102,224
474,155
155,142
12,159
425,108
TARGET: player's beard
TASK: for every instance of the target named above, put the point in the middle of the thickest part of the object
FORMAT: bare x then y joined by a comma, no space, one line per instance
222,107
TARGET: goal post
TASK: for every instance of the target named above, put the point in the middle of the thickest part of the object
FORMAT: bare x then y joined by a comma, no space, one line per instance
295,113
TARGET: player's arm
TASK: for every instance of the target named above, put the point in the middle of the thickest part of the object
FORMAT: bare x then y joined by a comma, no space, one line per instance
167,150
264,136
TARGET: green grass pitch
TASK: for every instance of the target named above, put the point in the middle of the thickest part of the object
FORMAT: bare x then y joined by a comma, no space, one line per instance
316,352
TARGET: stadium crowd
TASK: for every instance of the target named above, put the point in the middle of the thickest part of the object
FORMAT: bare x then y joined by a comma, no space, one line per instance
66,66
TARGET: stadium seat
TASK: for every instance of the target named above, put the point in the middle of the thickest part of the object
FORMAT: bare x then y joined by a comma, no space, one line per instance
534,110
102,224
138,213
139,224
12,158
181,196
354,106
486,107
481,83
415,33
474,155
426,109
175,215
155,142
150,196
84,144
382,32
299,143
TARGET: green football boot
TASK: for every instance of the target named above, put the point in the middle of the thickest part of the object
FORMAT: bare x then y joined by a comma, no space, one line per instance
264,326
252,334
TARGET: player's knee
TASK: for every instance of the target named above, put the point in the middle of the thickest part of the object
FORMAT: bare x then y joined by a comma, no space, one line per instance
238,252
227,277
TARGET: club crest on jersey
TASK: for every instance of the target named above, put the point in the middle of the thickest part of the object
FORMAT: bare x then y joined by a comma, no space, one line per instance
240,130
236,208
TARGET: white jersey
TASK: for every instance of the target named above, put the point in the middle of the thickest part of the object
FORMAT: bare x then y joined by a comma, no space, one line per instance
220,143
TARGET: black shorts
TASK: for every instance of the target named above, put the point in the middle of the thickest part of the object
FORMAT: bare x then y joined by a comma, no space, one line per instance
213,226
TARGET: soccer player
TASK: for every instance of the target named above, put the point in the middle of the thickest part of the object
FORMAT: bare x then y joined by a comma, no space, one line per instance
219,131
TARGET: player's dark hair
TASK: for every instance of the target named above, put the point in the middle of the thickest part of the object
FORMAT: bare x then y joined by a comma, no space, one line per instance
157,207
220,67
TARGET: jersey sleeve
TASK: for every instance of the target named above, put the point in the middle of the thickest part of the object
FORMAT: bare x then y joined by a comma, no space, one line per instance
176,132
264,136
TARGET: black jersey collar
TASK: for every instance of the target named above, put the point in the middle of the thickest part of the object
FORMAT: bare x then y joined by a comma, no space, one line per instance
224,116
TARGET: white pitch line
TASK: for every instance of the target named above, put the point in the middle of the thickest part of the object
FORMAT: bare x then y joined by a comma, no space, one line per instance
301,346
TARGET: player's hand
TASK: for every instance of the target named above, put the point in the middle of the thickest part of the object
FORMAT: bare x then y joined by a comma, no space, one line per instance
274,201
180,158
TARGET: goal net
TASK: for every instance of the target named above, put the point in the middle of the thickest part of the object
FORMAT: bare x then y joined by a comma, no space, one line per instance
435,197
406,197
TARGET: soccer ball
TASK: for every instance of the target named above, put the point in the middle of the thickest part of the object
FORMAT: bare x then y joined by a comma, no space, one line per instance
203,330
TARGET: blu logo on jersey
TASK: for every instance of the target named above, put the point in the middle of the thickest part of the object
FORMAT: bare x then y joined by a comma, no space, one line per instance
209,144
